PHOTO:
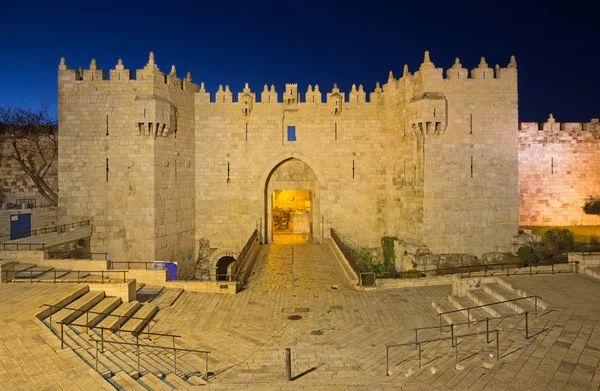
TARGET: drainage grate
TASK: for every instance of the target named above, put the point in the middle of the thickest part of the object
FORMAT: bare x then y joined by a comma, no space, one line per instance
316,332
294,317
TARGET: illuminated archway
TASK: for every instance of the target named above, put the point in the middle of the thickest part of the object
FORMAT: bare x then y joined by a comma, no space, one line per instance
292,202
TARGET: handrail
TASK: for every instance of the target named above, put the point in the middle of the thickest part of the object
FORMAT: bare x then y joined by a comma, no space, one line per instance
4,245
89,311
51,229
494,303
111,264
55,279
138,345
238,265
454,339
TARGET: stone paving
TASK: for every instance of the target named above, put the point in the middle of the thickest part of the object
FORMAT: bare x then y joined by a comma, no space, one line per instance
30,355
338,343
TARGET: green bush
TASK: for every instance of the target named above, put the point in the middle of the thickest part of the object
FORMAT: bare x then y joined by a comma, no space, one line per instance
592,205
527,255
559,240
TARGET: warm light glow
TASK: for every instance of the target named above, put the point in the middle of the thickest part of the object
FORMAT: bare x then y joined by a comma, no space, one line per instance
292,216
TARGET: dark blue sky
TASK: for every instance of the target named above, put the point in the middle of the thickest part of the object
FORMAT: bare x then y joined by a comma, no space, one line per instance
309,42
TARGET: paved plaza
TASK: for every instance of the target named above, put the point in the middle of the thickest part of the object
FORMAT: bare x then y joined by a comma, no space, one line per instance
337,340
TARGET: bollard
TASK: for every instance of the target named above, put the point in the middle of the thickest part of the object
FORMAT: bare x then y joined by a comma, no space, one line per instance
387,361
288,363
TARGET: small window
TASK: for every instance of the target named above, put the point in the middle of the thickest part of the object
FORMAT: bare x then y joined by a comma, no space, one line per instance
291,133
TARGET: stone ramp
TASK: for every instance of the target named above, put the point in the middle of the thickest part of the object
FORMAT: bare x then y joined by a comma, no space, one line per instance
298,267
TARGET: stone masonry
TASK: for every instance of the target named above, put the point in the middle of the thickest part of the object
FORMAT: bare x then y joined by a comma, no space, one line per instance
159,163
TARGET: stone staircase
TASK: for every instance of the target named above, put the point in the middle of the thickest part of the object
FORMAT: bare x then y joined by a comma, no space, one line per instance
86,317
477,359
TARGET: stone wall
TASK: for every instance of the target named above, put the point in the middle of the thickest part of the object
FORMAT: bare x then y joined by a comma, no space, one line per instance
558,169
40,218
14,182
158,163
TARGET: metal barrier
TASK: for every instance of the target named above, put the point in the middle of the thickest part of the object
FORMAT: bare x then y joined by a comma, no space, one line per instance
22,246
41,231
102,274
454,339
468,309
106,314
469,322
138,345
111,264
352,252
238,266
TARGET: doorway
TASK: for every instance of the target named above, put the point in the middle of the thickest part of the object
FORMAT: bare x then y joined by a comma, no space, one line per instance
292,216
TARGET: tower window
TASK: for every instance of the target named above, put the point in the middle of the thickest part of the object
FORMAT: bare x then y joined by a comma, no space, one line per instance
291,133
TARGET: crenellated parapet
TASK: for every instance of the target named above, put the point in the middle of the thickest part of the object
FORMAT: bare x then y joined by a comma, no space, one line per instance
313,95
552,131
335,100
247,99
268,96
358,96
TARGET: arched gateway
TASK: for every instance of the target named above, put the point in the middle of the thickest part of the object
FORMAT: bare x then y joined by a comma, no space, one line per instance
292,204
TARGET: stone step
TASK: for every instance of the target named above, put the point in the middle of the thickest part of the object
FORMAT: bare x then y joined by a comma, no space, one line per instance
124,382
151,382
593,272
53,274
86,350
147,293
464,302
501,293
480,298
61,301
167,297
196,380
444,305
119,316
100,311
176,381
78,307
139,286
521,292
146,312
19,267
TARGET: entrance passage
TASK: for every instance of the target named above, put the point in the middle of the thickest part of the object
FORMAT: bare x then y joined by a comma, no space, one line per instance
292,217
223,272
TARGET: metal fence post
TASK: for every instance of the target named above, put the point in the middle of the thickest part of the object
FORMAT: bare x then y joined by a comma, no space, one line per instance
419,345
487,329
62,336
455,355
452,333
96,356
416,338
526,325
535,307
497,345
387,361
288,363
175,361
138,358
206,372
468,318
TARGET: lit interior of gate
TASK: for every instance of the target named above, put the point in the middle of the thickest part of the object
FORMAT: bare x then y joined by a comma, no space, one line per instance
292,214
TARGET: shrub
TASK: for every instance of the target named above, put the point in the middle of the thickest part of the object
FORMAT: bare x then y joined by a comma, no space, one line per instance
594,243
559,240
527,255
592,205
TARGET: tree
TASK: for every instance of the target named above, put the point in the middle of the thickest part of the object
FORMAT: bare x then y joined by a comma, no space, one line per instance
30,137
559,240
592,205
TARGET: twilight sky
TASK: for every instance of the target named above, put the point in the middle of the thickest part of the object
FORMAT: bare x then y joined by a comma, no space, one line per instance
323,42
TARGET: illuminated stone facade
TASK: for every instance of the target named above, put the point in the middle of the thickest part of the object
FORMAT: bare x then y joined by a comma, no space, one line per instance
158,163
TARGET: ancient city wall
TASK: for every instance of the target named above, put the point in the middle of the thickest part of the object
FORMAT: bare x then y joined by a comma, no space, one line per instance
559,167
344,151
117,159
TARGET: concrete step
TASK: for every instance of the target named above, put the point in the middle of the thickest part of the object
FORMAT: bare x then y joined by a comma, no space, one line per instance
119,316
445,305
86,350
146,312
148,293
167,297
479,297
104,307
196,380
53,274
521,292
124,382
139,286
79,306
151,382
32,272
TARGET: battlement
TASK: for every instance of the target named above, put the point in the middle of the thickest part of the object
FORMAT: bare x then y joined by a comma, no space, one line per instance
552,131
150,72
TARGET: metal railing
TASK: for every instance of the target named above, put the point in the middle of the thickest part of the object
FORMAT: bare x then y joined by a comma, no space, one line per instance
87,313
454,339
476,321
41,231
491,269
98,256
352,252
240,263
22,246
103,274
138,345
468,309
127,264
